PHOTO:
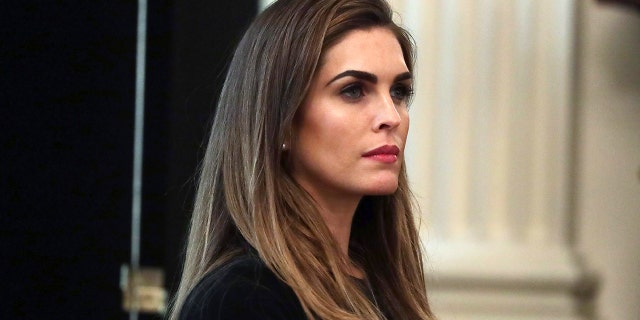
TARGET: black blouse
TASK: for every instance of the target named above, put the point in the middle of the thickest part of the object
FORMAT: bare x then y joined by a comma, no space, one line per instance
245,289
242,289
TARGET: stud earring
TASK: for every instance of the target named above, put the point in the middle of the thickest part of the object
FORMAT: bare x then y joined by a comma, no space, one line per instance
284,146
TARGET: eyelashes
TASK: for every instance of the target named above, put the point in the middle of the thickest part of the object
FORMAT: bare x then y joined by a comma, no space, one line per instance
399,92
353,91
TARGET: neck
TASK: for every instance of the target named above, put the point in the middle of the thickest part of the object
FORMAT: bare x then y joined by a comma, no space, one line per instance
338,216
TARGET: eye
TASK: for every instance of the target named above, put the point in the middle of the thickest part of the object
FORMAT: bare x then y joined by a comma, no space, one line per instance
353,91
401,92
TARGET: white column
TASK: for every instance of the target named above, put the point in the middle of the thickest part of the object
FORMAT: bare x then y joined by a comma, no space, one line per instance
488,155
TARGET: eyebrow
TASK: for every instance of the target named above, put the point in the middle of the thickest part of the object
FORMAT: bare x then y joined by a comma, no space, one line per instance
370,77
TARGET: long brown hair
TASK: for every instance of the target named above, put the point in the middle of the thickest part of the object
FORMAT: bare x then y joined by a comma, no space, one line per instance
246,195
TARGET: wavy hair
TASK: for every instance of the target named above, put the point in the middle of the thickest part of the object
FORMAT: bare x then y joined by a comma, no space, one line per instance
247,195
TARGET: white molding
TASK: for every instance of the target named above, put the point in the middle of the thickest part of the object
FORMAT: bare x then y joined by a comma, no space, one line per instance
507,263
489,281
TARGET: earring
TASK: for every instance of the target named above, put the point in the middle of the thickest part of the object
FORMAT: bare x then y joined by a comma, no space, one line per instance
284,146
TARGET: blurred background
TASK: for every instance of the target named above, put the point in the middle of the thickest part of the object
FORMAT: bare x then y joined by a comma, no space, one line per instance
525,152
68,90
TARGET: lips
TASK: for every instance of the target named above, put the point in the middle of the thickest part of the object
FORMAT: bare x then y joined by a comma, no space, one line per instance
386,154
386,149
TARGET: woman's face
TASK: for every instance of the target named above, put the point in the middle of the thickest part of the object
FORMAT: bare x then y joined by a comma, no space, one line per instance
350,132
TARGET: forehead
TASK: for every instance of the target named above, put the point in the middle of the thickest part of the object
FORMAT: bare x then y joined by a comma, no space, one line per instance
365,49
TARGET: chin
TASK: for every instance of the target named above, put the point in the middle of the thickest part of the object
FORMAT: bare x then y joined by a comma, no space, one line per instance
383,189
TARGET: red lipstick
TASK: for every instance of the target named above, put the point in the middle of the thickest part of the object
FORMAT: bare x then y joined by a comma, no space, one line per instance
386,154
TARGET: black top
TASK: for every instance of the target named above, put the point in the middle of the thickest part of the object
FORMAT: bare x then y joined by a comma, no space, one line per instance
242,289
245,288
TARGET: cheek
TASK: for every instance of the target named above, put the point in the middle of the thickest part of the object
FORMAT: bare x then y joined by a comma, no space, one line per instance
316,132
329,125
404,130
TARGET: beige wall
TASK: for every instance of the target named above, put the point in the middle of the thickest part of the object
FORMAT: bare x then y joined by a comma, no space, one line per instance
608,155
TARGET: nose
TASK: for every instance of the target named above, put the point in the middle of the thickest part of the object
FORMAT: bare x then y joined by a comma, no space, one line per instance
387,115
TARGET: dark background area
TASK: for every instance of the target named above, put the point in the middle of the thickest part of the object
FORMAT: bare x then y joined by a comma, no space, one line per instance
67,86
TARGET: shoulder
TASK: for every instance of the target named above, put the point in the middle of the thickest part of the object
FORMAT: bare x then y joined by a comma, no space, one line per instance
244,288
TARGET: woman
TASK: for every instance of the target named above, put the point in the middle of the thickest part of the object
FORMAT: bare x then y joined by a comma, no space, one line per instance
303,209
